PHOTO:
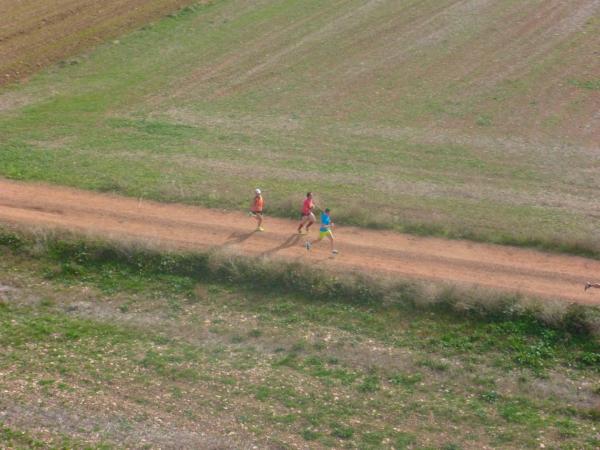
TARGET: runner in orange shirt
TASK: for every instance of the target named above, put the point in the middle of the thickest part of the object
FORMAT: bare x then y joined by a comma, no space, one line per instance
256,209
308,216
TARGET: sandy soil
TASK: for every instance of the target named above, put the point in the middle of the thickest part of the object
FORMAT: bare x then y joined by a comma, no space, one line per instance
177,226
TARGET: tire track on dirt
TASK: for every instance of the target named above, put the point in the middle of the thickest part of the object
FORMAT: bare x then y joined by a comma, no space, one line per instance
376,252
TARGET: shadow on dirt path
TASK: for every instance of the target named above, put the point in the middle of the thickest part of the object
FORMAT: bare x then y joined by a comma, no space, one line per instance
183,227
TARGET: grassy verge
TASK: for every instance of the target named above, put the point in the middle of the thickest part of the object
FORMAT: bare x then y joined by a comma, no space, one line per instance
104,353
73,255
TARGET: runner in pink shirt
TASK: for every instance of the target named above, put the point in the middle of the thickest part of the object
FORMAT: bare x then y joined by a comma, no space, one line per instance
308,216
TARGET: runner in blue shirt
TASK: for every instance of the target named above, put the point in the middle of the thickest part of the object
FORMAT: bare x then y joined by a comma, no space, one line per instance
324,231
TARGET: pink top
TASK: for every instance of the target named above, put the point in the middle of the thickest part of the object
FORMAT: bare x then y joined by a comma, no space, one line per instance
307,206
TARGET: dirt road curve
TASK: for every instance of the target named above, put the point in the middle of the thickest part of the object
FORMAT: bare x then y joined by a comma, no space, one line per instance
180,226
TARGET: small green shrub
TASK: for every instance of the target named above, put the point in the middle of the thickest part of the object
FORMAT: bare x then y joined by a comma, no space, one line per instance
589,359
262,393
592,414
576,320
369,384
450,446
404,440
309,435
255,333
490,396
407,380
341,431
373,437
12,240
439,366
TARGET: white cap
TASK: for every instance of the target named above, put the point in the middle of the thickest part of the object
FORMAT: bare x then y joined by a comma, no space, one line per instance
257,191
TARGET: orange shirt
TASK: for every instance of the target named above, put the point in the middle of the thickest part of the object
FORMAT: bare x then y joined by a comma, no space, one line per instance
258,204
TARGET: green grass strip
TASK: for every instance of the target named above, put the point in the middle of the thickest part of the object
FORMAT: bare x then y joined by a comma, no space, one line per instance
75,255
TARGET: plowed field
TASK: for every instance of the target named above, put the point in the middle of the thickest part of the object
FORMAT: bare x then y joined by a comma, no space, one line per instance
35,33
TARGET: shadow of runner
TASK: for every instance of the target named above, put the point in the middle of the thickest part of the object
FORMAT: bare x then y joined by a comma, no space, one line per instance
289,242
237,238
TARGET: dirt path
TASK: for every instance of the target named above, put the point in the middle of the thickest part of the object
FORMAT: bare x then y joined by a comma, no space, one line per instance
181,226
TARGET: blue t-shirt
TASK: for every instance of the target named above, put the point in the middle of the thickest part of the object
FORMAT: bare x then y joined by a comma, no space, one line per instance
325,222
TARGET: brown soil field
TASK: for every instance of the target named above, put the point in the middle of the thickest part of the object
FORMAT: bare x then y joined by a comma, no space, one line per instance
37,33
174,226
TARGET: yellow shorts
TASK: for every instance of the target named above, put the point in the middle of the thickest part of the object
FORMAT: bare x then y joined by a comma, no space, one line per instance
325,233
